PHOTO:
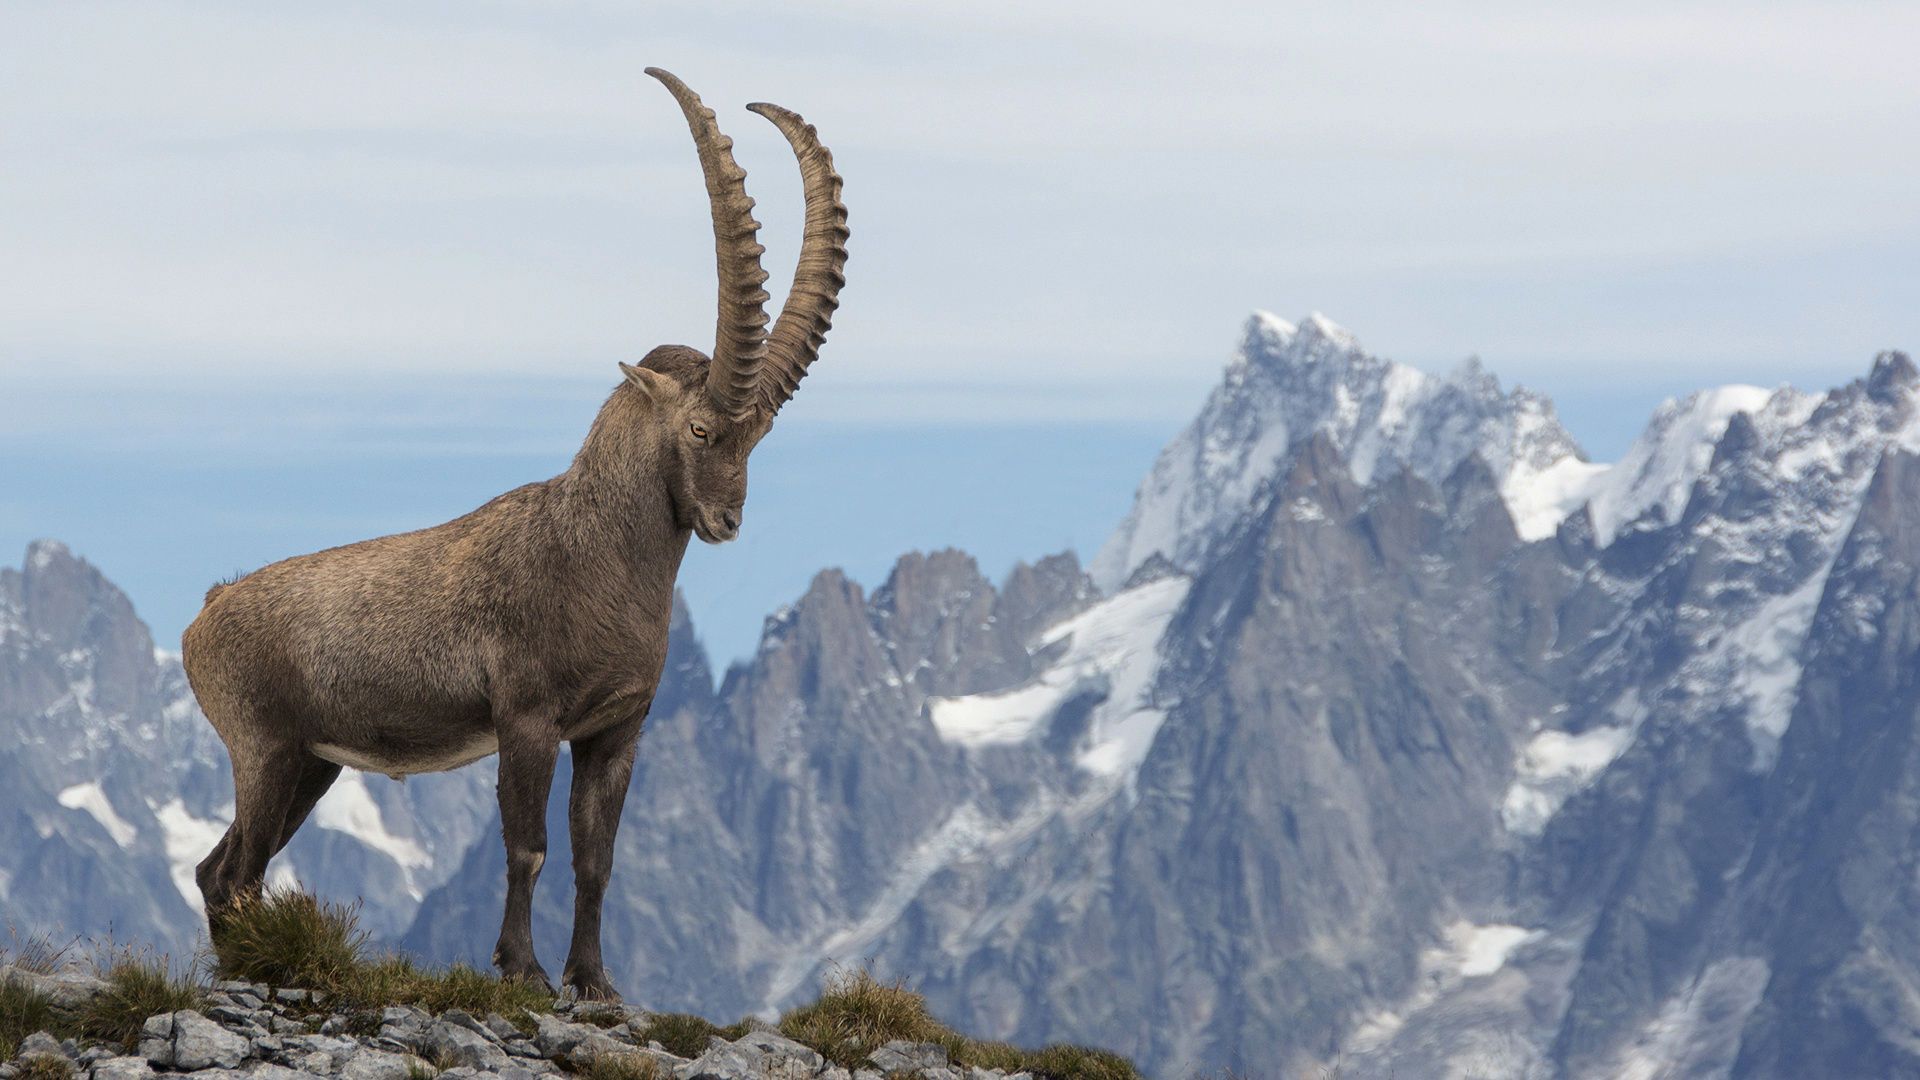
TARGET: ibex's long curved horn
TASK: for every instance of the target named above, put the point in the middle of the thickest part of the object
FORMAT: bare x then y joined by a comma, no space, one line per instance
817,280
740,333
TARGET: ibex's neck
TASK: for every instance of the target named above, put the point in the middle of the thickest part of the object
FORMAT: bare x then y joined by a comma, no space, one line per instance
616,496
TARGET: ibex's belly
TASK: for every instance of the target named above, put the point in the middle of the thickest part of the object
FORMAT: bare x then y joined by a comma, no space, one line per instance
399,761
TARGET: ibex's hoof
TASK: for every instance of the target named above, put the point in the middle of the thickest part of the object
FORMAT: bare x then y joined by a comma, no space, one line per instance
527,971
594,987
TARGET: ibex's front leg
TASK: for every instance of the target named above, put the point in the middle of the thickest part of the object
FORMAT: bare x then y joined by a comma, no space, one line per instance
602,765
527,752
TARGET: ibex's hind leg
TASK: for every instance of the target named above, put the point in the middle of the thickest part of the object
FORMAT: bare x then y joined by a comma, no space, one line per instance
602,765
316,777
266,781
526,776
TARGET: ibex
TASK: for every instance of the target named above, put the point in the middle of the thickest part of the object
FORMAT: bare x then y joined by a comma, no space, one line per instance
539,618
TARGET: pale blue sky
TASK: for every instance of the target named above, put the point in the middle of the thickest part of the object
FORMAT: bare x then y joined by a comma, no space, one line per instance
280,275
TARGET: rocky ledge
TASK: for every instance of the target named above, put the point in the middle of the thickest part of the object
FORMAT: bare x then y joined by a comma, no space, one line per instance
246,1030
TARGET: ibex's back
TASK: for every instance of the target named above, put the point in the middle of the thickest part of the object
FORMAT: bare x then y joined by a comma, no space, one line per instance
540,617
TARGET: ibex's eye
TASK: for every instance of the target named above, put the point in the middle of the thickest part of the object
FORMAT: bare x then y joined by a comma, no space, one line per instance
699,432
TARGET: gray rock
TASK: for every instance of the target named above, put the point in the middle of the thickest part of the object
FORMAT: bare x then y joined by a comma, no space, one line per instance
501,1027
941,1072
156,1040
903,1056
404,1016
199,1043
778,1046
723,1061
450,1042
41,1044
292,995
315,1061
122,1068
92,1054
66,989
233,1014
282,1025
462,1018
376,1065
520,1048
868,1074
835,1072
557,1038
267,1070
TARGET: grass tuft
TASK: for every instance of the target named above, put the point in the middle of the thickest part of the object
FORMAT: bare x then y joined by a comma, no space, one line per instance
136,989
600,1016
36,953
23,1012
1064,1062
622,1067
857,1014
686,1036
44,1067
290,938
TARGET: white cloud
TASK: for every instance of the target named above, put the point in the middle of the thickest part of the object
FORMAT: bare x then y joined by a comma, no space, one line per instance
1109,187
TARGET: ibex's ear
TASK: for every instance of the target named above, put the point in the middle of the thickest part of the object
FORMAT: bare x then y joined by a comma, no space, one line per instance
658,388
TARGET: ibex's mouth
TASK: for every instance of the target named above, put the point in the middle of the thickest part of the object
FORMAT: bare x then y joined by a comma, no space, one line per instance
712,534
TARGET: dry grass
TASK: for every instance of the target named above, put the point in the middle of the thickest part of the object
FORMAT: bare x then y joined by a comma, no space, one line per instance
44,1067
289,938
600,1016
23,1012
36,953
857,1014
622,1067
136,989
686,1036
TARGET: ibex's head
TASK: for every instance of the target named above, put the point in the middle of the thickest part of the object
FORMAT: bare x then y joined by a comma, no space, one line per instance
707,415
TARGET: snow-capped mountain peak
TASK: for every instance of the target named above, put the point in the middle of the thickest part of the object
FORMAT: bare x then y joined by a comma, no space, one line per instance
1288,381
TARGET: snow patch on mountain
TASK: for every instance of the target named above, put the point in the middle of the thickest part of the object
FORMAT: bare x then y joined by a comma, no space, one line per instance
1552,767
1660,468
1698,1030
1473,951
92,799
1111,651
187,840
348,807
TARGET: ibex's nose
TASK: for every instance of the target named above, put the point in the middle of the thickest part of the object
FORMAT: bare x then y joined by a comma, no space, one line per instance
731,518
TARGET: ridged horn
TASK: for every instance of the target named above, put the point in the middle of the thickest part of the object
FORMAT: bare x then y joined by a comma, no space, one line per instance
817,280
740,331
